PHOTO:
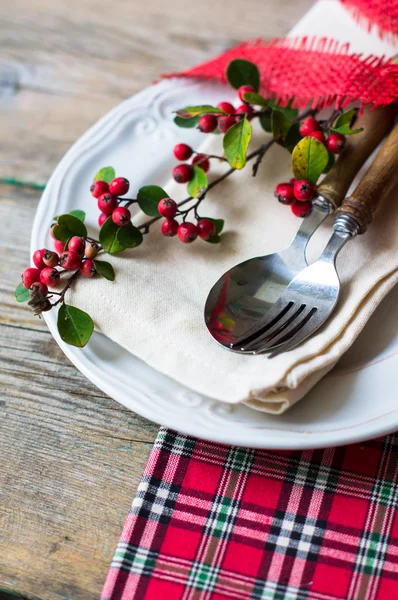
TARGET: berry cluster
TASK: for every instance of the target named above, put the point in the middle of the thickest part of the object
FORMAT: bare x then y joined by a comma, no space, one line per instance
211,123
108,200
77,256
298,194
334,142
186,231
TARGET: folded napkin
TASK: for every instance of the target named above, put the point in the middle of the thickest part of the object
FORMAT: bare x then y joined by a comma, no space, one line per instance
154,309
220,522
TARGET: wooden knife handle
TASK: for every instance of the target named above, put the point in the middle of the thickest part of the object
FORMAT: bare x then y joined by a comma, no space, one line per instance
376,124
375,185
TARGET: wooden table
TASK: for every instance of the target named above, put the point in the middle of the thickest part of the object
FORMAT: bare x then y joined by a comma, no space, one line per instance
71,458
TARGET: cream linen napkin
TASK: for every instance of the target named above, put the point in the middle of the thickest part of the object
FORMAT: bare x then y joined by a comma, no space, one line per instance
154,308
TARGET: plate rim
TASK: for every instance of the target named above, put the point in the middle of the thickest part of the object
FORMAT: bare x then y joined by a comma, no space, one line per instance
305,440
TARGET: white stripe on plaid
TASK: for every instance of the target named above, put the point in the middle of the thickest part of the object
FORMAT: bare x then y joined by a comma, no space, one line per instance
146,562
373,545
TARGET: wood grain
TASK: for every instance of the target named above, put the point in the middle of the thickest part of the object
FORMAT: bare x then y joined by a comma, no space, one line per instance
375,185
376,124
71,458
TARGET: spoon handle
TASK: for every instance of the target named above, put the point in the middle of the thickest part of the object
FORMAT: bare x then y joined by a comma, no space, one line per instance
376,125
375,185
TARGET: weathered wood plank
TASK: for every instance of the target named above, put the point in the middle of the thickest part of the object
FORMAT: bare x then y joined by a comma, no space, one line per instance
64,65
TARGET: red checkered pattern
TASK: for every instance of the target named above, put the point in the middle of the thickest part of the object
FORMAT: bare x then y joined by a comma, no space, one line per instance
214,522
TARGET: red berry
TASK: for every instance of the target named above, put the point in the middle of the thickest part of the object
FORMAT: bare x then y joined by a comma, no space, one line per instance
207,123
284,193
49,276
121,216
107,203
169,227
51,259
59,246
303,190
182,173
119,186
91,250
318,135
245,109
245,89
77,244
201,161
70,260
301,209
98,188
167,208
87,269
102,218
225,123
30,276
39,287
206,229
292,180
308,126
182,151
227,107
187,232
335,143
38,258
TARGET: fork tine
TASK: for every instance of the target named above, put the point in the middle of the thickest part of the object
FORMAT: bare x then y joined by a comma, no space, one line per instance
279,328
283,338
272,316
299,336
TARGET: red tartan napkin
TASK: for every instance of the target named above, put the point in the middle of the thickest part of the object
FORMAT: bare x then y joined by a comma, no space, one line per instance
213,522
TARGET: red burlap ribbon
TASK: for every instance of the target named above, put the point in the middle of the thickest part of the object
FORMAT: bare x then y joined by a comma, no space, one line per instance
382,14
318,70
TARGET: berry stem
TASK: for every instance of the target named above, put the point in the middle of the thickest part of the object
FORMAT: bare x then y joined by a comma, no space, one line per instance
66,288
206,156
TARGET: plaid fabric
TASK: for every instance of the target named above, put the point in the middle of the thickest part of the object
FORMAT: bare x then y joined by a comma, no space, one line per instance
213,522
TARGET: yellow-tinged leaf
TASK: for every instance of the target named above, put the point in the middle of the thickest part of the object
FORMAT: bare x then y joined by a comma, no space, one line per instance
236,142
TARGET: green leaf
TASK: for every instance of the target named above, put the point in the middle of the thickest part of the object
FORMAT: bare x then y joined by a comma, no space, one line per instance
108,237
236,142
148,199
219,223
79,214
215,239
198,182
287,110
330,164
243,72
74,325
266,121
309,159
129,236
105,174
346,130
344,122
21,293
68,225
186,123
256,99
203,109
105,269
280,126
293,137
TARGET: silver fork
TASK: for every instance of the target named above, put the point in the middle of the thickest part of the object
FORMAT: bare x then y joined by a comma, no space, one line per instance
309,299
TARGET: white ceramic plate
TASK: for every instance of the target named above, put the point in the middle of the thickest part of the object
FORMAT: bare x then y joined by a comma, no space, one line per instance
358,400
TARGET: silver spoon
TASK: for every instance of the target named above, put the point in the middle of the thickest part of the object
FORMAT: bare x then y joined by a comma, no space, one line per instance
244,294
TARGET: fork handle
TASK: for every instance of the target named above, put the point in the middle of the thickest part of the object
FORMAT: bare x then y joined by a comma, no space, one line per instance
376,124
375,185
